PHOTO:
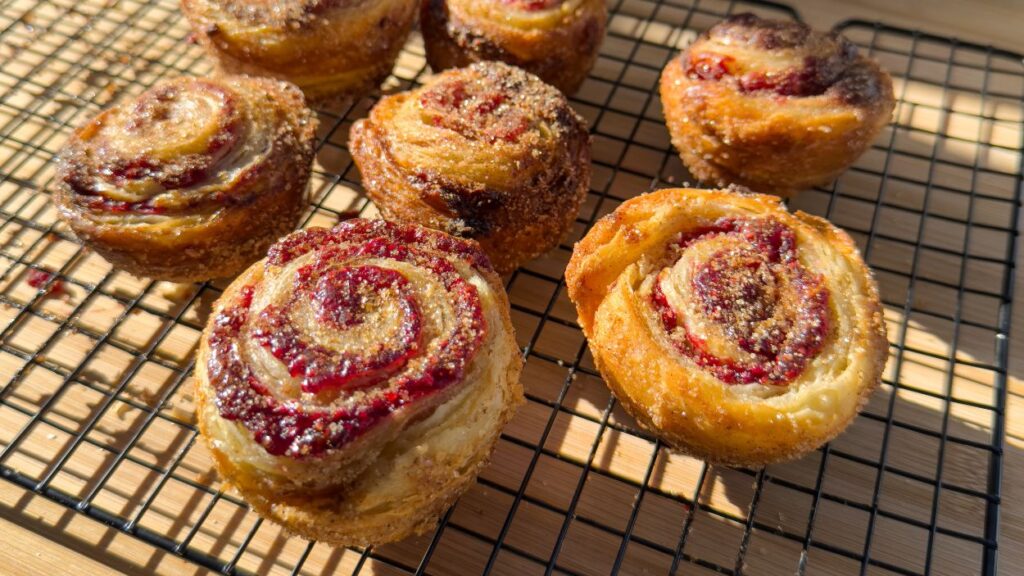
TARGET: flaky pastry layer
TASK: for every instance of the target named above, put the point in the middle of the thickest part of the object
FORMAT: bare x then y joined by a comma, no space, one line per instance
773,106
191,180
378,454
487,152
558,40
735,330
331,49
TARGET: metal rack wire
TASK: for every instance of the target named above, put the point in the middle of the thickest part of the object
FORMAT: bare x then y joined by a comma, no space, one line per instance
575,487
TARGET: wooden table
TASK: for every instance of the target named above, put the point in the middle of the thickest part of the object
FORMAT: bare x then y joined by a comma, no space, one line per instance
38,536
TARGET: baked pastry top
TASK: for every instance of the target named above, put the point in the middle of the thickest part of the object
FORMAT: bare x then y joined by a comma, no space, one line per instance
352,384
773,105
331,49
191,180
739,332
487,152
558,40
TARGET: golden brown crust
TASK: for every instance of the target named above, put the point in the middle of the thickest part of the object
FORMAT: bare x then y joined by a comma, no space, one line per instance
773,105
487,152
193,179
325,462
688,401
557,40
331,49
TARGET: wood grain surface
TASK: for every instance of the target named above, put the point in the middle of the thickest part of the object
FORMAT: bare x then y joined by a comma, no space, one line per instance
975,125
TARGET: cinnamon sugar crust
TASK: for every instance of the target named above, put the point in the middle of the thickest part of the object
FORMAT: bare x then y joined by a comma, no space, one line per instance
332,49
557,40
735,330
193,179
352,385
488,152
772,105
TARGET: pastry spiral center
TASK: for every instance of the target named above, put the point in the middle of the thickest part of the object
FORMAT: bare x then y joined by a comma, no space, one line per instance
173,149
807,77
344,297
736,287
783,58
170,138
374,317
473,110
171,122
343,300
735,299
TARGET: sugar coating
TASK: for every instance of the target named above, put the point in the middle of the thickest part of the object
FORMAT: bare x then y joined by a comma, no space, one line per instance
337,309
753,289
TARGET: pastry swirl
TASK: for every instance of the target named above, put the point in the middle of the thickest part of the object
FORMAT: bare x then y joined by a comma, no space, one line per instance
487,152
557,40
331,49
737,331
353,383
773,105
191,180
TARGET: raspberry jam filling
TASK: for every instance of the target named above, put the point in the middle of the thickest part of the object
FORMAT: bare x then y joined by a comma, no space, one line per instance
474,110
805,80
292,13
757,293
532,5
710,66
172,137
104,204
341,297
38,279
808,79
344,292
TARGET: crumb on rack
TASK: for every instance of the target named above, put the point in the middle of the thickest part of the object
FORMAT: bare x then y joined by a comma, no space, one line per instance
176,292
45,282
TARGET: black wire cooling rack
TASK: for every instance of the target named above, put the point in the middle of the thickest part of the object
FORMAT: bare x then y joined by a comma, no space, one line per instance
95,393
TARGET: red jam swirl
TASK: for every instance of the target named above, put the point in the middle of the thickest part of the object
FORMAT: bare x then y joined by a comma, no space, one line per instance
132,145
341,287
292,13
532,5
805,80
757,291
820,62
340,297
710,66
474,110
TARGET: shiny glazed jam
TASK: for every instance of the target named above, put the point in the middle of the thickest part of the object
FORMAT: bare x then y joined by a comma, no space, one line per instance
474,110
175,136
748,287
352,282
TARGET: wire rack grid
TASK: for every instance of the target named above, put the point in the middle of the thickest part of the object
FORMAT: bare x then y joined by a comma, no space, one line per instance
95,404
